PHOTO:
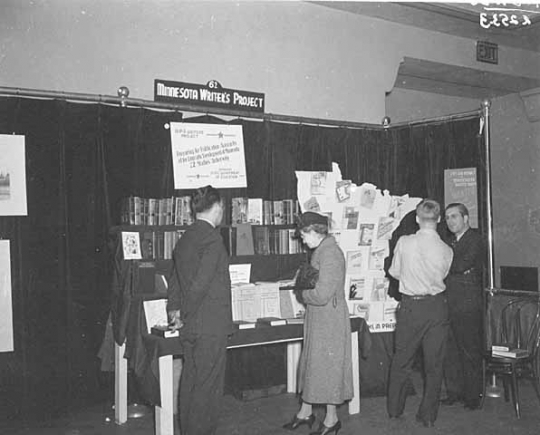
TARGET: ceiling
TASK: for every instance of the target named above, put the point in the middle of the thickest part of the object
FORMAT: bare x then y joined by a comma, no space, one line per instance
458,19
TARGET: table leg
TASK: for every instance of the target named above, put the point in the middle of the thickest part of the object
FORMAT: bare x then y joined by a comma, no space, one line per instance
120,384
354,404
165,412
293,356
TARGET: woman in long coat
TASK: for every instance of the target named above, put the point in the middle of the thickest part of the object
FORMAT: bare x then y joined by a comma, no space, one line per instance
325,369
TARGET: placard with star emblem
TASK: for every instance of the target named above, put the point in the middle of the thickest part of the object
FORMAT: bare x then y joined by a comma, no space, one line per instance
207,154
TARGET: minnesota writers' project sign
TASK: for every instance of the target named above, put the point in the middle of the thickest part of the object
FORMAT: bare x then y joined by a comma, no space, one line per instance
210,95
460,185
205,154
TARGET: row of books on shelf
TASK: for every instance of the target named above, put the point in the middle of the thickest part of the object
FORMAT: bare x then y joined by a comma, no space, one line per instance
260,211
177,211
156,211
240,240
245,239
159,245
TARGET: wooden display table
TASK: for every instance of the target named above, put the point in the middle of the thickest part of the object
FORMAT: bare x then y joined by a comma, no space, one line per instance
163,350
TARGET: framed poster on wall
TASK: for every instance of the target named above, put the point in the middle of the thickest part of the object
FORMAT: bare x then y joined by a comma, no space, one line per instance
460,185
6,312
12,176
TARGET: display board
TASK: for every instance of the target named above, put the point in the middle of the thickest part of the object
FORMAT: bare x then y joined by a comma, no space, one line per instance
362,220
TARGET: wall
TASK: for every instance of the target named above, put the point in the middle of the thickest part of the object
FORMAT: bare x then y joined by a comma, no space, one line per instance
309,61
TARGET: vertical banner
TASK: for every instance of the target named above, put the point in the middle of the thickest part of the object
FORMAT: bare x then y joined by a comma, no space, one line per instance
12,176
460,185
6,313
205,154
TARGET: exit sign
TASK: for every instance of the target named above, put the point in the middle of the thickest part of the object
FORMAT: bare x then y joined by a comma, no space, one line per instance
487,52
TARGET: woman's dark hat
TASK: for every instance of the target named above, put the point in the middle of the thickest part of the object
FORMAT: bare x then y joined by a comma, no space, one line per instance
310,218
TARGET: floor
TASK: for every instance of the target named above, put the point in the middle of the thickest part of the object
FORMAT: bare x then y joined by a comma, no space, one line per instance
265,416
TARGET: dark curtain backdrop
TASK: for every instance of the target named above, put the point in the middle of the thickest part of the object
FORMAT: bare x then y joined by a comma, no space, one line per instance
82,159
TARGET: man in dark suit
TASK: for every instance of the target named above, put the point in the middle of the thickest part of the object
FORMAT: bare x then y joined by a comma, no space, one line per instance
200,306
463,363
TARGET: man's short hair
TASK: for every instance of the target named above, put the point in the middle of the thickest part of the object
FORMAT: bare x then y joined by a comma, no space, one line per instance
428,210
463,210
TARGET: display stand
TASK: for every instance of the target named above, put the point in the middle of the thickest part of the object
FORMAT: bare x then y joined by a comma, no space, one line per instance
292,335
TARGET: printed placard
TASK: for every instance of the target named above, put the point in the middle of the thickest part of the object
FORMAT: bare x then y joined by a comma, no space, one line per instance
208,154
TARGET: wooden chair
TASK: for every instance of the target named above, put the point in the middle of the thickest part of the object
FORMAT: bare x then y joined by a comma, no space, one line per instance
520,328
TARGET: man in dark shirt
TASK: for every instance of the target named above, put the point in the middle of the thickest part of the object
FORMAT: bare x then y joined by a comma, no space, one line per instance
463,363
200,306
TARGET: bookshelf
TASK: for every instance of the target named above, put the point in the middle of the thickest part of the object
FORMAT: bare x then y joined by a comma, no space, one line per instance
255,231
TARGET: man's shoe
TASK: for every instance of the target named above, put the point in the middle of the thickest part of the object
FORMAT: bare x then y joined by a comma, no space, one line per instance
424,422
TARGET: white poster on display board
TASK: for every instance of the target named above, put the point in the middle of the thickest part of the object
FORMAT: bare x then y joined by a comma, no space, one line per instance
6,313
12,176
208,154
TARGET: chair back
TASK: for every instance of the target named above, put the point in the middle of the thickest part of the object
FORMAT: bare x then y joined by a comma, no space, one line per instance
520,324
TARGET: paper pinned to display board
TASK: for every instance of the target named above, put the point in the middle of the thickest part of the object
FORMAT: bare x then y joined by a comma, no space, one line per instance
208,154
6,309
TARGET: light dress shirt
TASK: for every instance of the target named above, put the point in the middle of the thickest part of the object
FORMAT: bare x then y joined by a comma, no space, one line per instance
421,262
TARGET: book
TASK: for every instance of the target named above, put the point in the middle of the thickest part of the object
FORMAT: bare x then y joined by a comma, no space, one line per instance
343,190
512,353
243,324
500,347
270,321
244,240
318,183
356,287
131,245
255,214
377,254
155,313
239,210
366,234
355,261
228,234
295,321
164,331
350,218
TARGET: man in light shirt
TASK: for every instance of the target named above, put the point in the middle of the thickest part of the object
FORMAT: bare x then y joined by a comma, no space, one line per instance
421,262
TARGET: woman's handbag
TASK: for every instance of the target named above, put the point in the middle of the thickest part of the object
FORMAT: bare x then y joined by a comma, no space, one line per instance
306,277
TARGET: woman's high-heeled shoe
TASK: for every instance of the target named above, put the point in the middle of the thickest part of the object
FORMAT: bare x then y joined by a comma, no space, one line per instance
296,422
325,430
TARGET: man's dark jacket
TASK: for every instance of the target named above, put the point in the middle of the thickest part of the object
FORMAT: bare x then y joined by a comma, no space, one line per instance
200,285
